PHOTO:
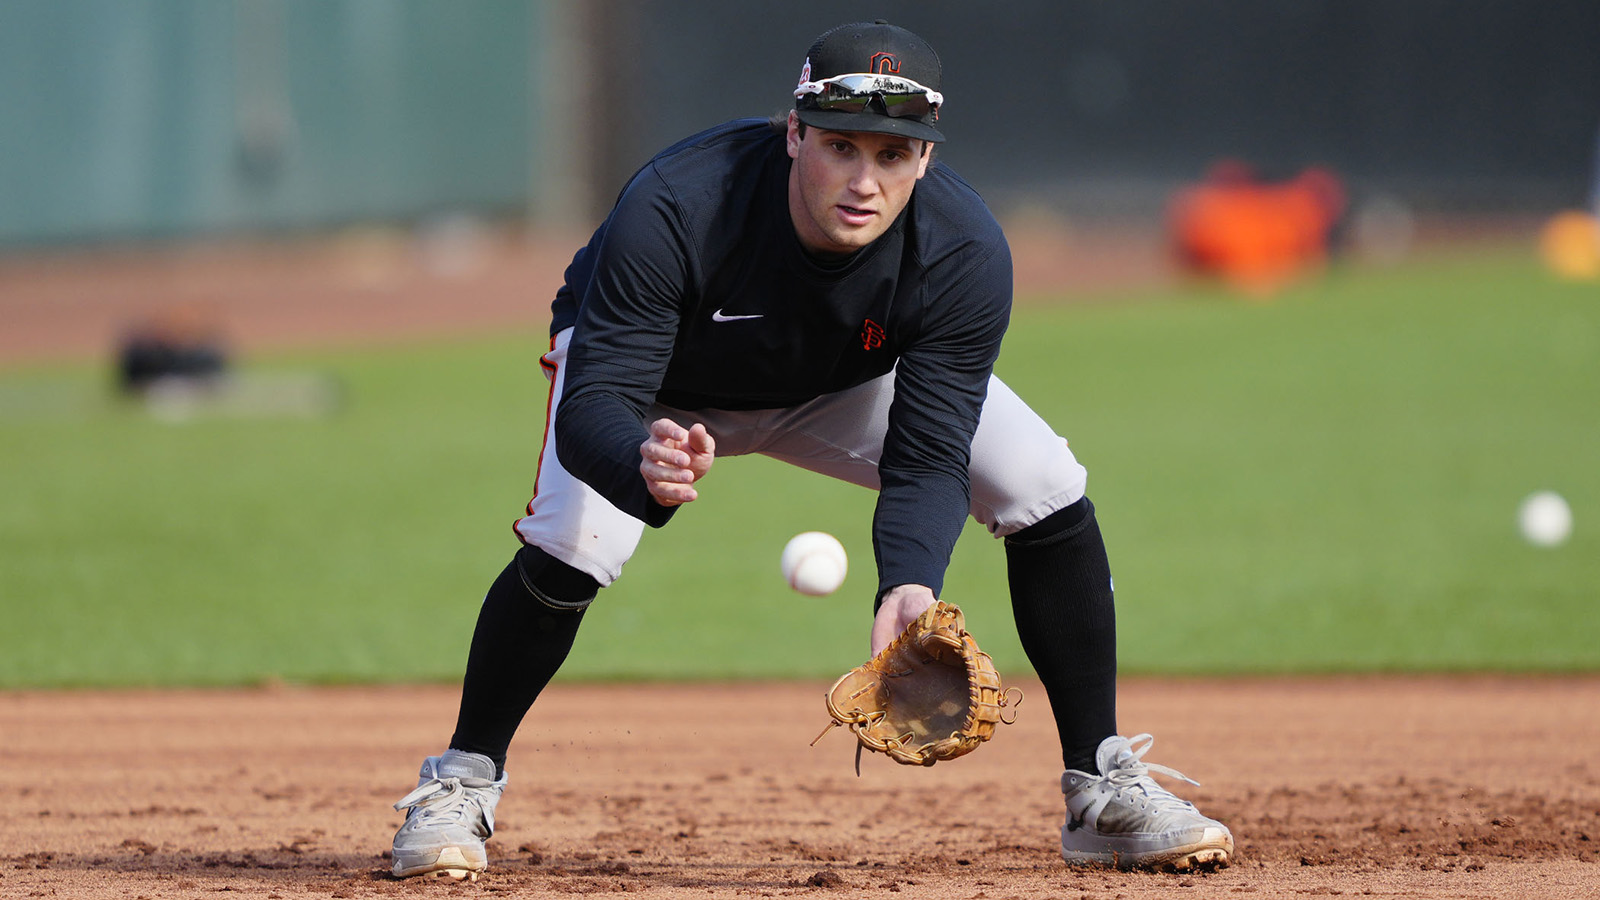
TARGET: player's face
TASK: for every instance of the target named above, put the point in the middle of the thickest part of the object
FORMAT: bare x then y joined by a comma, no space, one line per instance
847,187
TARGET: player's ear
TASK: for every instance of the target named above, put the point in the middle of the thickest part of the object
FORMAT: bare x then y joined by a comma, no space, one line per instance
924,159
797,131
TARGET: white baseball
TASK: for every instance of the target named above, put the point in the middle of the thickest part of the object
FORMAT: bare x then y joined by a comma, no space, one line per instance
814,563
1545,519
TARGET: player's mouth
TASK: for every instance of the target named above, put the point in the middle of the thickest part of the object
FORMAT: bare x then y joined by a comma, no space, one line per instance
855,215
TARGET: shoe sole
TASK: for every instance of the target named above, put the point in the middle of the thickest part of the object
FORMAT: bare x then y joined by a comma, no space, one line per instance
1204,854
451,863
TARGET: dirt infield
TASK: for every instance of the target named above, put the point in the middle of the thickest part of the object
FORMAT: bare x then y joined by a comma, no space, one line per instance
1415,787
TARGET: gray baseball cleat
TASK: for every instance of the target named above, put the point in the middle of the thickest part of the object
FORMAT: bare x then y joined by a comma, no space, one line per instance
451,815
1123,818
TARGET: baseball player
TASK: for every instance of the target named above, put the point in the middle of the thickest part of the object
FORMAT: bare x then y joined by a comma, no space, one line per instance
820,290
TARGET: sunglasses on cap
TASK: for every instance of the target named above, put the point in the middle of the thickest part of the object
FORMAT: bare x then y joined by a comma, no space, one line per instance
901,97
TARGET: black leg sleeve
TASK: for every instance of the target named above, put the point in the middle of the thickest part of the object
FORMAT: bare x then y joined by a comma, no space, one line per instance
1061,597
525,630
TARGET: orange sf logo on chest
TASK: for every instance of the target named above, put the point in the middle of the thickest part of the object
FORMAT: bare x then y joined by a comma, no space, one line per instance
872,335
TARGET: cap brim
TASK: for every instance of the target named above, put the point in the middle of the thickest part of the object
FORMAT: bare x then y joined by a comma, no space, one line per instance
838,120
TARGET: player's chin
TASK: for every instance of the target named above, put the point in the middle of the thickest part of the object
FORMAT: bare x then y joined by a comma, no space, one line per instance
848,239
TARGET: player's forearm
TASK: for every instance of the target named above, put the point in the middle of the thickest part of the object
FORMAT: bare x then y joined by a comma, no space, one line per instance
597,439
614,368
925,493
918,519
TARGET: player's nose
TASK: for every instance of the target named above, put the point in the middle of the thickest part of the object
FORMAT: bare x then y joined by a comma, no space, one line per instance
864,180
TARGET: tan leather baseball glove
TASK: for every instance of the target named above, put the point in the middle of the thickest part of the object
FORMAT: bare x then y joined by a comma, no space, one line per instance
929,695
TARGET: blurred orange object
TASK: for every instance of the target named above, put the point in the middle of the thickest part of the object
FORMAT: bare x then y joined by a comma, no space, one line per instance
1569,244
1256,235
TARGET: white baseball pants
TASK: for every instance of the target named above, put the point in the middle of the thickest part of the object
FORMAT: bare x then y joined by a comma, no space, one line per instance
1021,470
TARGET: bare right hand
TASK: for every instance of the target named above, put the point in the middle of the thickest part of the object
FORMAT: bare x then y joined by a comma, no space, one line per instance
673,458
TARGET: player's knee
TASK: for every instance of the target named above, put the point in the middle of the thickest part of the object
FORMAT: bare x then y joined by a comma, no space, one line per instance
1066,521
554,583
1008,492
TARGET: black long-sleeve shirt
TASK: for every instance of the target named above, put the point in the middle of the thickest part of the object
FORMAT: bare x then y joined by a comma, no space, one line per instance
701,237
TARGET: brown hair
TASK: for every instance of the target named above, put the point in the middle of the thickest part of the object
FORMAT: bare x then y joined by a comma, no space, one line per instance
779,122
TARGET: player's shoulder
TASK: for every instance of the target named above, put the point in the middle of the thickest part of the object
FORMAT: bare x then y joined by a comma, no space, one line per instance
948,210
729,145
708,172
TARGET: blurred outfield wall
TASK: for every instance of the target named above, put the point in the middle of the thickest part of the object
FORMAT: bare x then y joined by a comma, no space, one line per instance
1098,107
158,118
146,118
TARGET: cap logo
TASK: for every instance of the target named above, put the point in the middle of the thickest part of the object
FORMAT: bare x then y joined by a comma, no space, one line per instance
884,64
805,71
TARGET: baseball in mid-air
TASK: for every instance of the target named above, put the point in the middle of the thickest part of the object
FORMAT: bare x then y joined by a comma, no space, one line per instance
814,563
1545,519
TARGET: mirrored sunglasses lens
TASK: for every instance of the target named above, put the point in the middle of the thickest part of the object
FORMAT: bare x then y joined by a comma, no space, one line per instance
847,103
900,105
896,105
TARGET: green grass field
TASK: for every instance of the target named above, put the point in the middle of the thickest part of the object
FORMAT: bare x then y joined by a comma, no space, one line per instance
1327,482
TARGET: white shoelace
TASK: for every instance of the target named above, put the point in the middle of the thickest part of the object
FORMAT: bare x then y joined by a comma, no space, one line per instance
440,798
1130,772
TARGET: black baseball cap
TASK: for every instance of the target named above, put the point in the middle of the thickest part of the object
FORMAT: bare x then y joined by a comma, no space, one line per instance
875,48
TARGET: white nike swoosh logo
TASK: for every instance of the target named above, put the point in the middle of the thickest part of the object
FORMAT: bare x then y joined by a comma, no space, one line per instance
719,317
